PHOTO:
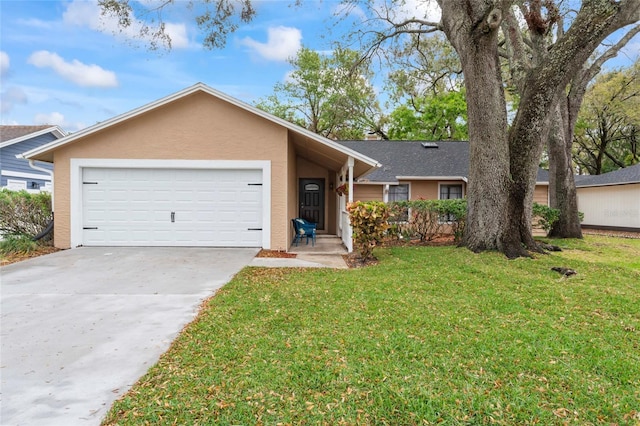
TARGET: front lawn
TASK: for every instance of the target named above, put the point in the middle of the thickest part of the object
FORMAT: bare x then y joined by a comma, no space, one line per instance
430,335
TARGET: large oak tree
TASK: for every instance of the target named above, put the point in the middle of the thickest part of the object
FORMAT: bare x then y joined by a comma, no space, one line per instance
504,158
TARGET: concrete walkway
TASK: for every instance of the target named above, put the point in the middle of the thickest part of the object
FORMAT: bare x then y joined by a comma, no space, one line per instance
79,327
326,253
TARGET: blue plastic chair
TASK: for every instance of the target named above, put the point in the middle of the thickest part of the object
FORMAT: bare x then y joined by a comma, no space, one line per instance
303,229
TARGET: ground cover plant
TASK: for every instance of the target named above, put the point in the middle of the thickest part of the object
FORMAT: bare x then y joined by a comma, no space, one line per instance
23,216
430,335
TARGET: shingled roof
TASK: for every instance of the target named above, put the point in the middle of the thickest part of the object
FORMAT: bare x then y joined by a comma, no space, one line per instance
418,159
623,176
12,132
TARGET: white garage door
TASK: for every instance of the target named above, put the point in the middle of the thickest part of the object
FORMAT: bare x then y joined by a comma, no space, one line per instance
171,207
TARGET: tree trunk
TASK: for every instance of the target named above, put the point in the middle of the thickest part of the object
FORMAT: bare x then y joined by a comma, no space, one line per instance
531,126
475,38
562,186
503,166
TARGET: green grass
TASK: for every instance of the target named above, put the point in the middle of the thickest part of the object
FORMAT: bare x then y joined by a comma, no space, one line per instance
432,335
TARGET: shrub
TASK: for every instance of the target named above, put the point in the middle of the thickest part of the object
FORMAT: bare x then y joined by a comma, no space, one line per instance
369,221
544,216
427,218
14,244
456,212
24,214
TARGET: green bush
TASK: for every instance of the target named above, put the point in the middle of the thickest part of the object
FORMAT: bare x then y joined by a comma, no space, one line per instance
24,214
369,221
544,216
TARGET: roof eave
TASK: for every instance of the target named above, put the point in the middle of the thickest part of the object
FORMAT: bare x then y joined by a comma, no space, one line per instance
608,184
432,178
186,92
56,130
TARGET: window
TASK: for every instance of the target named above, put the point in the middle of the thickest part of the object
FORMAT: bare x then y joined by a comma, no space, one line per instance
16,185
450,192
400,193
312,187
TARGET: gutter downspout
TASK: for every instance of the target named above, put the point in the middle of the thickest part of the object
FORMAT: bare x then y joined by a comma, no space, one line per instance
50,173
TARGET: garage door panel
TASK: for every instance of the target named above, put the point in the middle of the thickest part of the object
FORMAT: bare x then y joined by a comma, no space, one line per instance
134,207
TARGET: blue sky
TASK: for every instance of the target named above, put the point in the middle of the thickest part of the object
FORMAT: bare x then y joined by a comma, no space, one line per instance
61,64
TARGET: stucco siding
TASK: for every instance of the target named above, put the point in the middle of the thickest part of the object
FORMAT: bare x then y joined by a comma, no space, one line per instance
308,169
196,127
367,192
423,189
292,195
541,194
615,205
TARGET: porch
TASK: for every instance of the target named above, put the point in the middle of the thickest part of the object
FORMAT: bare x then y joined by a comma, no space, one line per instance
327,251
325,245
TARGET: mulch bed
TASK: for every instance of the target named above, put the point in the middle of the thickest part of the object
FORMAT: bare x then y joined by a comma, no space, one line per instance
354,260
619,234
440,240
276,254
17,257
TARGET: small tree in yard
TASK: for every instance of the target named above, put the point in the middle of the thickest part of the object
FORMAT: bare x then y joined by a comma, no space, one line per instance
369,221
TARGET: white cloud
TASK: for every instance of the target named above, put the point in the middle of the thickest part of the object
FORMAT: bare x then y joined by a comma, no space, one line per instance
36,23
52,118
427,10
75,71
58,119
11,97
88,14
4,63
420,9
282,43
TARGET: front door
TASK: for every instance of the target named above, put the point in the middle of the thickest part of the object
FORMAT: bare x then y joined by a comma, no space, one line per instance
312,201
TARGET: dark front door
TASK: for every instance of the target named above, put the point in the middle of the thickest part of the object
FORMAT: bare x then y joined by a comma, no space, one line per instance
312,201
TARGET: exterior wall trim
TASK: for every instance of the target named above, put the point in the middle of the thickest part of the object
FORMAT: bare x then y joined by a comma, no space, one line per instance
78,164
26,175
378,183
442,178
611,228
464,192
607,184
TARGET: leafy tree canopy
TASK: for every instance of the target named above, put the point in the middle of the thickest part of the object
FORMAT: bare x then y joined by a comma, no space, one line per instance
608,126
439,116
328,94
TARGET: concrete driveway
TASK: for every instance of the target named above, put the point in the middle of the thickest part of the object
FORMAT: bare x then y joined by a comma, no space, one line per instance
79,327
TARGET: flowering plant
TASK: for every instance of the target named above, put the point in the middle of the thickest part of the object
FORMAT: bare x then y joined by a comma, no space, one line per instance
343,189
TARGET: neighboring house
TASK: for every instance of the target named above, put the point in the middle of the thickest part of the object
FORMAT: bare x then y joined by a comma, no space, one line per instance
16,174
413,170
611,200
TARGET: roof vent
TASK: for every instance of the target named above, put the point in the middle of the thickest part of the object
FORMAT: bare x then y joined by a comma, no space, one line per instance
429,145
